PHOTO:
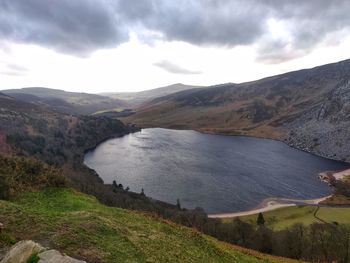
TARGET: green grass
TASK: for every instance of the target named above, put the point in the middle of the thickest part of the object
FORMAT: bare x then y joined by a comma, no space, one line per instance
80,226
339,215
286,217
33,259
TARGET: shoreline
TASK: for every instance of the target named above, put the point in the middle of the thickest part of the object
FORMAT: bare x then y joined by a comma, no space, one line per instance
270,204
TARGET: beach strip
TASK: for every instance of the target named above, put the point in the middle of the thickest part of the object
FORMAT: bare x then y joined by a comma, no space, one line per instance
269,205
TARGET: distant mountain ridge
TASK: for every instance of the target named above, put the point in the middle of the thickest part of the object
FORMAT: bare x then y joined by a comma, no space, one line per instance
308,108
64,101
135,99
106,104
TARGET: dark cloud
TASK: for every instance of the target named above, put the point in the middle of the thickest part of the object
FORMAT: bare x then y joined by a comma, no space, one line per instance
80,27
173,68
200,22
307,24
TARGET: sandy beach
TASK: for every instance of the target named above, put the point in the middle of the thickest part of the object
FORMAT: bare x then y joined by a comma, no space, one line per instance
269,205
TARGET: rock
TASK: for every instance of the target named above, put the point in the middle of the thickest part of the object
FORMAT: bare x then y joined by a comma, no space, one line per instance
21,252
54,256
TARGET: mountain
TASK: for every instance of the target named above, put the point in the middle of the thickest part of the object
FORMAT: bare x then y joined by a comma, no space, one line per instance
309,109
67,102
136,99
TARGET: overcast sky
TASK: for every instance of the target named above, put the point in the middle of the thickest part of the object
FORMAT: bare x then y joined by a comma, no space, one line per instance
131,45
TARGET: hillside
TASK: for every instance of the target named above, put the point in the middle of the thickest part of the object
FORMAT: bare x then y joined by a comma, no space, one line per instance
286,217
60,140
135,99
66,102
78,225
53,137
308,109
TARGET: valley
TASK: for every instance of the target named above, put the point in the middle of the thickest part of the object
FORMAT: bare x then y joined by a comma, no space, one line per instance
66,102
169,173
136,99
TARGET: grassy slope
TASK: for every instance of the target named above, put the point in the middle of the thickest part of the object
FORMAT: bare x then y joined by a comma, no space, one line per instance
81,227
286,217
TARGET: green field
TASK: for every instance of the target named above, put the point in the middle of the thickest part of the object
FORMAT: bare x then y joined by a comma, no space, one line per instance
286,217
77,224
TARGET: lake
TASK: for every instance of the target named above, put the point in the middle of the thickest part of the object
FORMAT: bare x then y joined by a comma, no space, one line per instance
216,172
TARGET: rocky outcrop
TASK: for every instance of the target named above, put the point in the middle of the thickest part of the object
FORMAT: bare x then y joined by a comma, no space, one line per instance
336,106
21,252
24,250
324,130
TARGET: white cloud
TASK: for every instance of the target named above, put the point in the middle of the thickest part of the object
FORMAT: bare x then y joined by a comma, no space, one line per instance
129,67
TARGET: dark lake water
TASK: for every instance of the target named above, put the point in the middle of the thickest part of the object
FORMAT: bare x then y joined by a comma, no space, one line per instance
217,173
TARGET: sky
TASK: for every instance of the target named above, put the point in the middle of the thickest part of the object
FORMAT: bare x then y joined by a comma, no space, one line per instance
132,45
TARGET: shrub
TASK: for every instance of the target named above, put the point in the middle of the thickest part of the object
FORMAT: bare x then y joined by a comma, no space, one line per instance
19,174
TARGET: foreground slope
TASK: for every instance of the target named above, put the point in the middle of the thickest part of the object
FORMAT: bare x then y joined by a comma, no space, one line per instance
307,108
78,225
67,102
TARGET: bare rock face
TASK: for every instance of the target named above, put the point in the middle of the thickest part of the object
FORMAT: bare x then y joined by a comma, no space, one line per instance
336,107
324,130
54,256
21,252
